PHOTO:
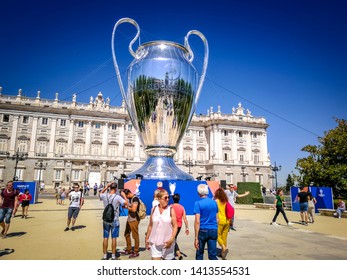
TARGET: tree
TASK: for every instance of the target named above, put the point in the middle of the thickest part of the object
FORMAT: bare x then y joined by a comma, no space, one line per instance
326,164
289,182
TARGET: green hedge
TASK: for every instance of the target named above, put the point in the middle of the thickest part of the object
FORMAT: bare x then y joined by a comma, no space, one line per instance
255,195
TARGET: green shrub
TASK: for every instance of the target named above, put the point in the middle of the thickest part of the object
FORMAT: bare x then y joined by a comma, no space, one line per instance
255,195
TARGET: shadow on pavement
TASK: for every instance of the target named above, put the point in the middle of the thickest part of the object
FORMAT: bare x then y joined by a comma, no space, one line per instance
6,252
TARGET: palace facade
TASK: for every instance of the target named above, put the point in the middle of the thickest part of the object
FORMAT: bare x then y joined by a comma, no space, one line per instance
59,142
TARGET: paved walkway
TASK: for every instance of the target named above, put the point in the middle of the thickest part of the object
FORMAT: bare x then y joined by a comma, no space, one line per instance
42,236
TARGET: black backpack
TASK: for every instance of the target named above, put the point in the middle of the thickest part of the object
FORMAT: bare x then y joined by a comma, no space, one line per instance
108,214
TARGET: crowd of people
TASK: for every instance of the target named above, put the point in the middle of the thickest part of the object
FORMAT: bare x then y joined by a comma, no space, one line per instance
211,220
211,226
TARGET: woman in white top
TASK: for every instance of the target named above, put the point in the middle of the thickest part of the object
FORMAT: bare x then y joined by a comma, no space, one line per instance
162,229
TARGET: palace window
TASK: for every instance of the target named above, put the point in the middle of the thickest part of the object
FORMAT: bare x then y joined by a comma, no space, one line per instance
42,147
58,174
25,120
44,121
3,145
6,118
62,123
96,149
78,148
23,146
114,126
60,148
76,175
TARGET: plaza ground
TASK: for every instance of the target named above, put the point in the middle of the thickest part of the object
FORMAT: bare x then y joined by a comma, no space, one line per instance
42,236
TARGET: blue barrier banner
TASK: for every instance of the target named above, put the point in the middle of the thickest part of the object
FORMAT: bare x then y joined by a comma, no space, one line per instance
31,186
144,189
323,195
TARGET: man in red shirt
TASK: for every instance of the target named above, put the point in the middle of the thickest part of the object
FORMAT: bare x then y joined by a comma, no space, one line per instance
8,202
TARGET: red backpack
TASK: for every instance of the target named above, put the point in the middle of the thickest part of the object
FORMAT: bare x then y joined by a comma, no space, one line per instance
229,211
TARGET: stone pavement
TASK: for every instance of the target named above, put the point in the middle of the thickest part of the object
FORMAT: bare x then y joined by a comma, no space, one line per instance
42,236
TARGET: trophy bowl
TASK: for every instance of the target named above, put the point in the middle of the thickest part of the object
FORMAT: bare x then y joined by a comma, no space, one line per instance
163,88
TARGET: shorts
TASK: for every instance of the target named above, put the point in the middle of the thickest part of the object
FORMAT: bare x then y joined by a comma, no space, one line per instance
113,228
158,251
304,207
73,212
6,214
25,203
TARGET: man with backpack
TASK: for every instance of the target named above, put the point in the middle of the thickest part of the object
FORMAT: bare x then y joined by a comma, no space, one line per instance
132,225
112,201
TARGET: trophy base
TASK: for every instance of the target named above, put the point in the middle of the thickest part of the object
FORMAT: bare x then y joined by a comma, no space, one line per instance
160,168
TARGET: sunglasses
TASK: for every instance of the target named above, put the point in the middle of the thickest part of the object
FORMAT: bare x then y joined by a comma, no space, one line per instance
165,197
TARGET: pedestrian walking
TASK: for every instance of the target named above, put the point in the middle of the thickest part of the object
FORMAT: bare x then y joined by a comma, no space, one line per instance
205,224
162,229
278,205
25,198
232,196
8,202
76,203
180,217
223,223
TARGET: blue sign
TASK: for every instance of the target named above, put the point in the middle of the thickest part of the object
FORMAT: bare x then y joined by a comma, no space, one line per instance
31,186
144,189
323,195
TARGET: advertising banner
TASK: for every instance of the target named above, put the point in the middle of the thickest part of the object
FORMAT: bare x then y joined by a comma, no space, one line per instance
187,190
31,186
323,195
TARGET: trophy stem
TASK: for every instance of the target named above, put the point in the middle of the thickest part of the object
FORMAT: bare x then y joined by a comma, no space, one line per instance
160,168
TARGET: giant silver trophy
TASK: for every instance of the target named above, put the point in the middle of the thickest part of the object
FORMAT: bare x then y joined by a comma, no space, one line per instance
162,92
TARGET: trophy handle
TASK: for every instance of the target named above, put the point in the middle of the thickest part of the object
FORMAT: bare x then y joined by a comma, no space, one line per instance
133,22
191,54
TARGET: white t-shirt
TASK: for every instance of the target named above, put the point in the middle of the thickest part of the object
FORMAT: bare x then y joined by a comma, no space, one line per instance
75,199
116,201
232,195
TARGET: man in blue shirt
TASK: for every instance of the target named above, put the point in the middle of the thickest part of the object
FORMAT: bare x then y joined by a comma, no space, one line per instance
205,224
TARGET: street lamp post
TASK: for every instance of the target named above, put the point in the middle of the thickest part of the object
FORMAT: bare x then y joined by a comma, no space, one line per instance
17,157
188,163
41,166
276,168
243,173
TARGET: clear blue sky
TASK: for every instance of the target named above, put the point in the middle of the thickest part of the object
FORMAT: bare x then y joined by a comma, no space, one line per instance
284,60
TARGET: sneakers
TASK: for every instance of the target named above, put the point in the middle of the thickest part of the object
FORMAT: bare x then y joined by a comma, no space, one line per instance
134,255
273,224
289,224
66,229
73,228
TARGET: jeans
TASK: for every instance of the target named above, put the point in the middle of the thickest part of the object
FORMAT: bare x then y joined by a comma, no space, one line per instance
112,228
340,211
6,214
208,236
